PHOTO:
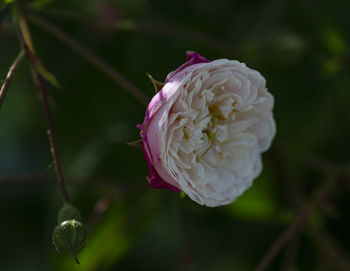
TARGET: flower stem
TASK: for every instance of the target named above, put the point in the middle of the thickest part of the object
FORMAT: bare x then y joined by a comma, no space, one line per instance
10,74
89,56
52,140
28,47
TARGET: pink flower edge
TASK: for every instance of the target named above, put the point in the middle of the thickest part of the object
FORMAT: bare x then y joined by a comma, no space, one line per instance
154,180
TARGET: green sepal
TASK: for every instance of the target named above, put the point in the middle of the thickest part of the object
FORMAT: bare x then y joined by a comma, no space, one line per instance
136,143
69,238
211,135
157,84
68,212
46,74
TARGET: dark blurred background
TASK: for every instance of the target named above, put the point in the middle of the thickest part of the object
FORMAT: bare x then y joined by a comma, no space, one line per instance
302,49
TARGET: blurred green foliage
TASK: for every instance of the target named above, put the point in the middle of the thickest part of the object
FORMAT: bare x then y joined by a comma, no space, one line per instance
301,48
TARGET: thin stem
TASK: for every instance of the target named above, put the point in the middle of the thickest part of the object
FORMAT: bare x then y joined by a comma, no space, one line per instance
52,140
98,62
282,239
304,215
333,256
27,45
289,260
159,28
9,76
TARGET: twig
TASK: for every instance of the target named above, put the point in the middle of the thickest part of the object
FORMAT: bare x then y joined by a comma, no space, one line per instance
296,199
10,74
333,256
290,257
283,238
287,177
52,140
159,28
98,62
25,39
293,228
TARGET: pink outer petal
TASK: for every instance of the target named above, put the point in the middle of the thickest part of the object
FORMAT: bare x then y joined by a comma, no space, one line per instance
154,180
192,58
153,138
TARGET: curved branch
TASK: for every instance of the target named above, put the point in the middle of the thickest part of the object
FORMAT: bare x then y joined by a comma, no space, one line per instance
89,56
28,47
10,74
320,197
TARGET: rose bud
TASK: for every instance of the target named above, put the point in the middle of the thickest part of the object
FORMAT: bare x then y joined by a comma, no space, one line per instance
205,130
68,212
69,236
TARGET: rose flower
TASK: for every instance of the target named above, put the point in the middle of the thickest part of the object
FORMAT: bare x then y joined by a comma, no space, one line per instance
205,130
